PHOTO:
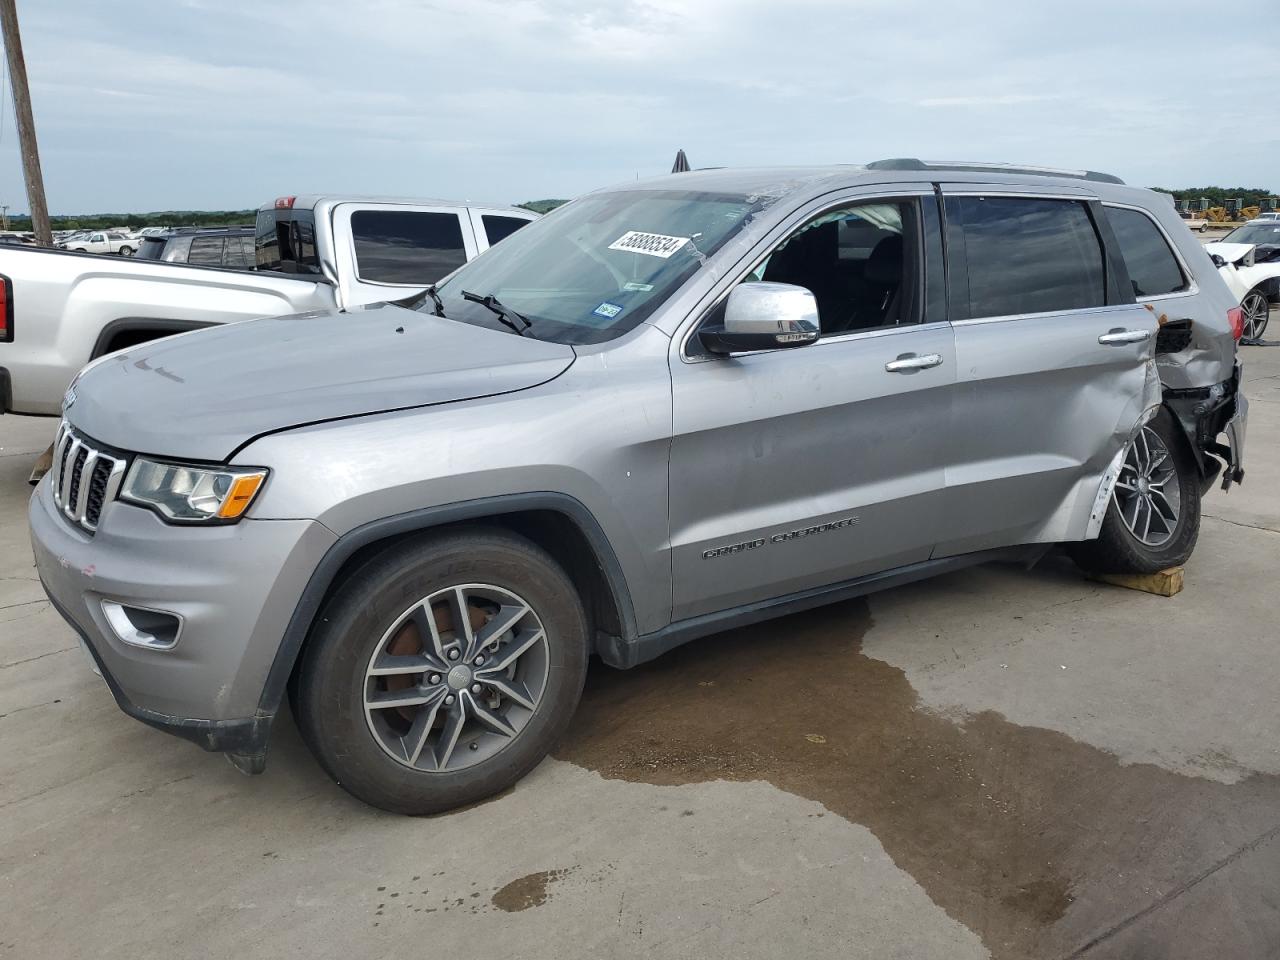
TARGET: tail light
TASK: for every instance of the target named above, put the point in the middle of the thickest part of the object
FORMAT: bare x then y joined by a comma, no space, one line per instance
1235,317
6,310
285,203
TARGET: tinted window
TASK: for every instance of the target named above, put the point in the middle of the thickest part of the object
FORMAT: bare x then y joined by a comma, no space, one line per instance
150,248
1030,256
285,241
206,251
238,252
394,246
499,228
175,250
1153,268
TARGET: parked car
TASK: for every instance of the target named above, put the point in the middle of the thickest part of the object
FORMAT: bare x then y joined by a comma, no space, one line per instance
1248,258
102,241
665,409
312,254
202,246
1198,224
1268,217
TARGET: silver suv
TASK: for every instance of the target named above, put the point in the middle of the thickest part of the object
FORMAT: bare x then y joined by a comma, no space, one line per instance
667,409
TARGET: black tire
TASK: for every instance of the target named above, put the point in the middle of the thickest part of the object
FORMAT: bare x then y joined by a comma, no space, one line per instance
1118,549
1253,303
330,685
126,251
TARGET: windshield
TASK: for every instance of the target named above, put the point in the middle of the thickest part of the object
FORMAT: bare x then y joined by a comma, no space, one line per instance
594,269
1254,233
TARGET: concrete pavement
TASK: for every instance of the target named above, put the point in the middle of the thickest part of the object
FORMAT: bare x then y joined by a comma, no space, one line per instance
994,763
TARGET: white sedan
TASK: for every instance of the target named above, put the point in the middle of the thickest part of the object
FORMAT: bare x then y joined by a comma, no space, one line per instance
1249,260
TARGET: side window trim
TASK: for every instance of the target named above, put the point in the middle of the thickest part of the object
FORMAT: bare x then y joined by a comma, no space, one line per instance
1189,287
1115,271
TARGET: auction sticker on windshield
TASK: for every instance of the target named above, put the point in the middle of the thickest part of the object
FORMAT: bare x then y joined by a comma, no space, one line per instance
650,244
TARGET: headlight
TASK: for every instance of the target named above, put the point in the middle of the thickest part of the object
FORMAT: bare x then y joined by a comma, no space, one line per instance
192,494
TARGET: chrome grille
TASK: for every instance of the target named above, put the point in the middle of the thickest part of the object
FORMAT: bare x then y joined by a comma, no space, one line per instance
85,477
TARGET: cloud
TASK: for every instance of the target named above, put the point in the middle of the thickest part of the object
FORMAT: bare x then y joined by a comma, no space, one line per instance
150,105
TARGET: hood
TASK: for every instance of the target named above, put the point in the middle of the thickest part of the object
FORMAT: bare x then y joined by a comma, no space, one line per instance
1230,252
203,394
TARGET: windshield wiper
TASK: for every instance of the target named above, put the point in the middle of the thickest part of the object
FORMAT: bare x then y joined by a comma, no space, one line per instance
413,302
505,314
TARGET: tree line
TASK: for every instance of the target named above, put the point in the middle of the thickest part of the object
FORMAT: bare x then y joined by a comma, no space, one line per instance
1248,196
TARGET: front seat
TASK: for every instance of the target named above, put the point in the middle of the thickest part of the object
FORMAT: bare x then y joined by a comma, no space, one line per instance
881,301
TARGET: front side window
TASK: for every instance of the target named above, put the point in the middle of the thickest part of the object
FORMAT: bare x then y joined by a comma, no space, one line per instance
402,246
597,267
860,262
1030,255
1153,269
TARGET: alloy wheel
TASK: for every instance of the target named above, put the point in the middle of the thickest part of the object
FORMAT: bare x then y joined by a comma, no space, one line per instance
1256,311
1147,493
456,677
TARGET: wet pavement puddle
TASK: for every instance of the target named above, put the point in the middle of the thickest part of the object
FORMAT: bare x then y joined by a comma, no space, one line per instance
1040,844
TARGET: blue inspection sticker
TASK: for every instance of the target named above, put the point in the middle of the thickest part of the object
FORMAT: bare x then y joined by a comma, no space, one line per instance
607,310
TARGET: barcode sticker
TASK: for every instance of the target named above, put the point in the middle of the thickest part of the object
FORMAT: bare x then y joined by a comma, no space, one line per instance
650,244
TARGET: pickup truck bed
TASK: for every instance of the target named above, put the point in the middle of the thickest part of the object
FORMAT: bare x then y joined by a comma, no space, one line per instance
65,308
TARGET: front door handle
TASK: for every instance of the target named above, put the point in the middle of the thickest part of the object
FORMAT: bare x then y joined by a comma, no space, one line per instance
909,363
1124,336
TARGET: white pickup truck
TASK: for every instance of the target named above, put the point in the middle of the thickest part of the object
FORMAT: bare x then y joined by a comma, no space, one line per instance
103,241
62,309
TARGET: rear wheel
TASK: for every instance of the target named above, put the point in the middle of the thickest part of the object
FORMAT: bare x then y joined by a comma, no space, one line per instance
1153,519
444,671
1257,311
126,251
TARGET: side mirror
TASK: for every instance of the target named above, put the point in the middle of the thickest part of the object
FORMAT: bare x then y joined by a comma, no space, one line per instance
764,316
1218,261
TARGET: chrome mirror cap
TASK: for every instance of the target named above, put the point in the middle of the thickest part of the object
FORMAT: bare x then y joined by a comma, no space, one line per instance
764,316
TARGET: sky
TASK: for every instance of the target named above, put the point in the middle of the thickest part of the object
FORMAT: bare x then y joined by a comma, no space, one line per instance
145,105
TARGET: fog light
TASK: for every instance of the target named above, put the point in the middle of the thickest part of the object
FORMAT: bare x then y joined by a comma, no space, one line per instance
140,627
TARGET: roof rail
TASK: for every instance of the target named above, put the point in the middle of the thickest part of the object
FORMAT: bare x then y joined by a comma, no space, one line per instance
910,163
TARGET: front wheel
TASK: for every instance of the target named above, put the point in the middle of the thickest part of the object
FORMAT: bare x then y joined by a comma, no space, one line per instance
443,671
1153,519
1257,311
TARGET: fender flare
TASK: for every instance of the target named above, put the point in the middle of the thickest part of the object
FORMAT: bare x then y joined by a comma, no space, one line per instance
414,521
161,326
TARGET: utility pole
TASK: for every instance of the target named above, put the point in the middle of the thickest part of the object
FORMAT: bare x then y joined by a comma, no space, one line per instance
26,123
4,217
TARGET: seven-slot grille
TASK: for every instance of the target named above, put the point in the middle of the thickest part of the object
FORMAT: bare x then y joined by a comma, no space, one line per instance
84,477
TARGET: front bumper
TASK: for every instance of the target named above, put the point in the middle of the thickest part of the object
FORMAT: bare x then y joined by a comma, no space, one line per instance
234,588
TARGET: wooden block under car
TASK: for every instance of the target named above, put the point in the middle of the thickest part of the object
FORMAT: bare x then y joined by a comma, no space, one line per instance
1166,583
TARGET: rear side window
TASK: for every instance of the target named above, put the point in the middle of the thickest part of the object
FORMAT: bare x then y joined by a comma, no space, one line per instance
205,251
285,241
1028,255
499,228
150,248
238,253
1153,268
395,246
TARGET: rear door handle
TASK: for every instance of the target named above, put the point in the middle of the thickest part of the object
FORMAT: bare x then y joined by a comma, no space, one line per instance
909,363
1124,336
